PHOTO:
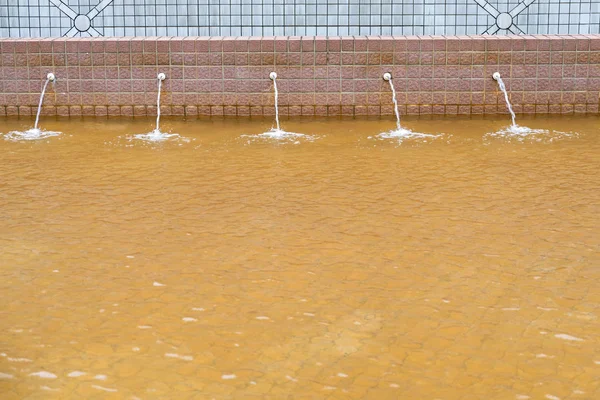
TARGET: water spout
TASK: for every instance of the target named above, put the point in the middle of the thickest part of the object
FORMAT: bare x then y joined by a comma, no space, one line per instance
400,133
273,76
34,133
156,135
277,133
388,77
498,79
161,77
521,133
49,78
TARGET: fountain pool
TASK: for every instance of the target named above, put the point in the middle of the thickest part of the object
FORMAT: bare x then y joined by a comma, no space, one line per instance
343,267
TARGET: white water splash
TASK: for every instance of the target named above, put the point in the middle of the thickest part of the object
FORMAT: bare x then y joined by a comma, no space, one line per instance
174,355
276,133
564,336
542,355
522,133
18,359
30,134
76,374
44,375
228,377
402,134
6,376
156,136
104,388
281,135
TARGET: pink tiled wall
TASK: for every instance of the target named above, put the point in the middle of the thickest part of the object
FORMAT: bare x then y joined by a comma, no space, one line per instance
317,75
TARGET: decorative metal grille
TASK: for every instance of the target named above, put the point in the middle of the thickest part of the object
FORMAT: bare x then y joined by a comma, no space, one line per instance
53,18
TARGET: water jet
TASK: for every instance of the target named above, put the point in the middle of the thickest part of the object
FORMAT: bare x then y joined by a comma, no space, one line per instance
276,132
273,77
498,78
35,133
399,133
156,135
388,77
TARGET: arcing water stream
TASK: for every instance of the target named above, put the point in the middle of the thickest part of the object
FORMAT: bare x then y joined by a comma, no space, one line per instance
156,135
400,133
277,132
35,133
498,78
522,132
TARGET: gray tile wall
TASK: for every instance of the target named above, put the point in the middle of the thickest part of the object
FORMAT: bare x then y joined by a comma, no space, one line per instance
53,18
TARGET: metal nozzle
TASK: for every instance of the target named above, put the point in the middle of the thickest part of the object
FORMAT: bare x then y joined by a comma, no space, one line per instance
387,76
273,75
51,77
161,77
496,75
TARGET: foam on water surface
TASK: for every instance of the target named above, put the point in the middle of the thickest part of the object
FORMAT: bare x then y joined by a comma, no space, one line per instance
156,136
30,134
181,357
522,133
105,389
276,134
402,134
564,336
44,375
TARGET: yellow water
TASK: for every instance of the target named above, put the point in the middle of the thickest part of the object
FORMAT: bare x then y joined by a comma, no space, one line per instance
457,267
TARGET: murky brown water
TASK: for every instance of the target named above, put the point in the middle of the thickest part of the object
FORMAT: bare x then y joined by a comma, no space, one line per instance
460,267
